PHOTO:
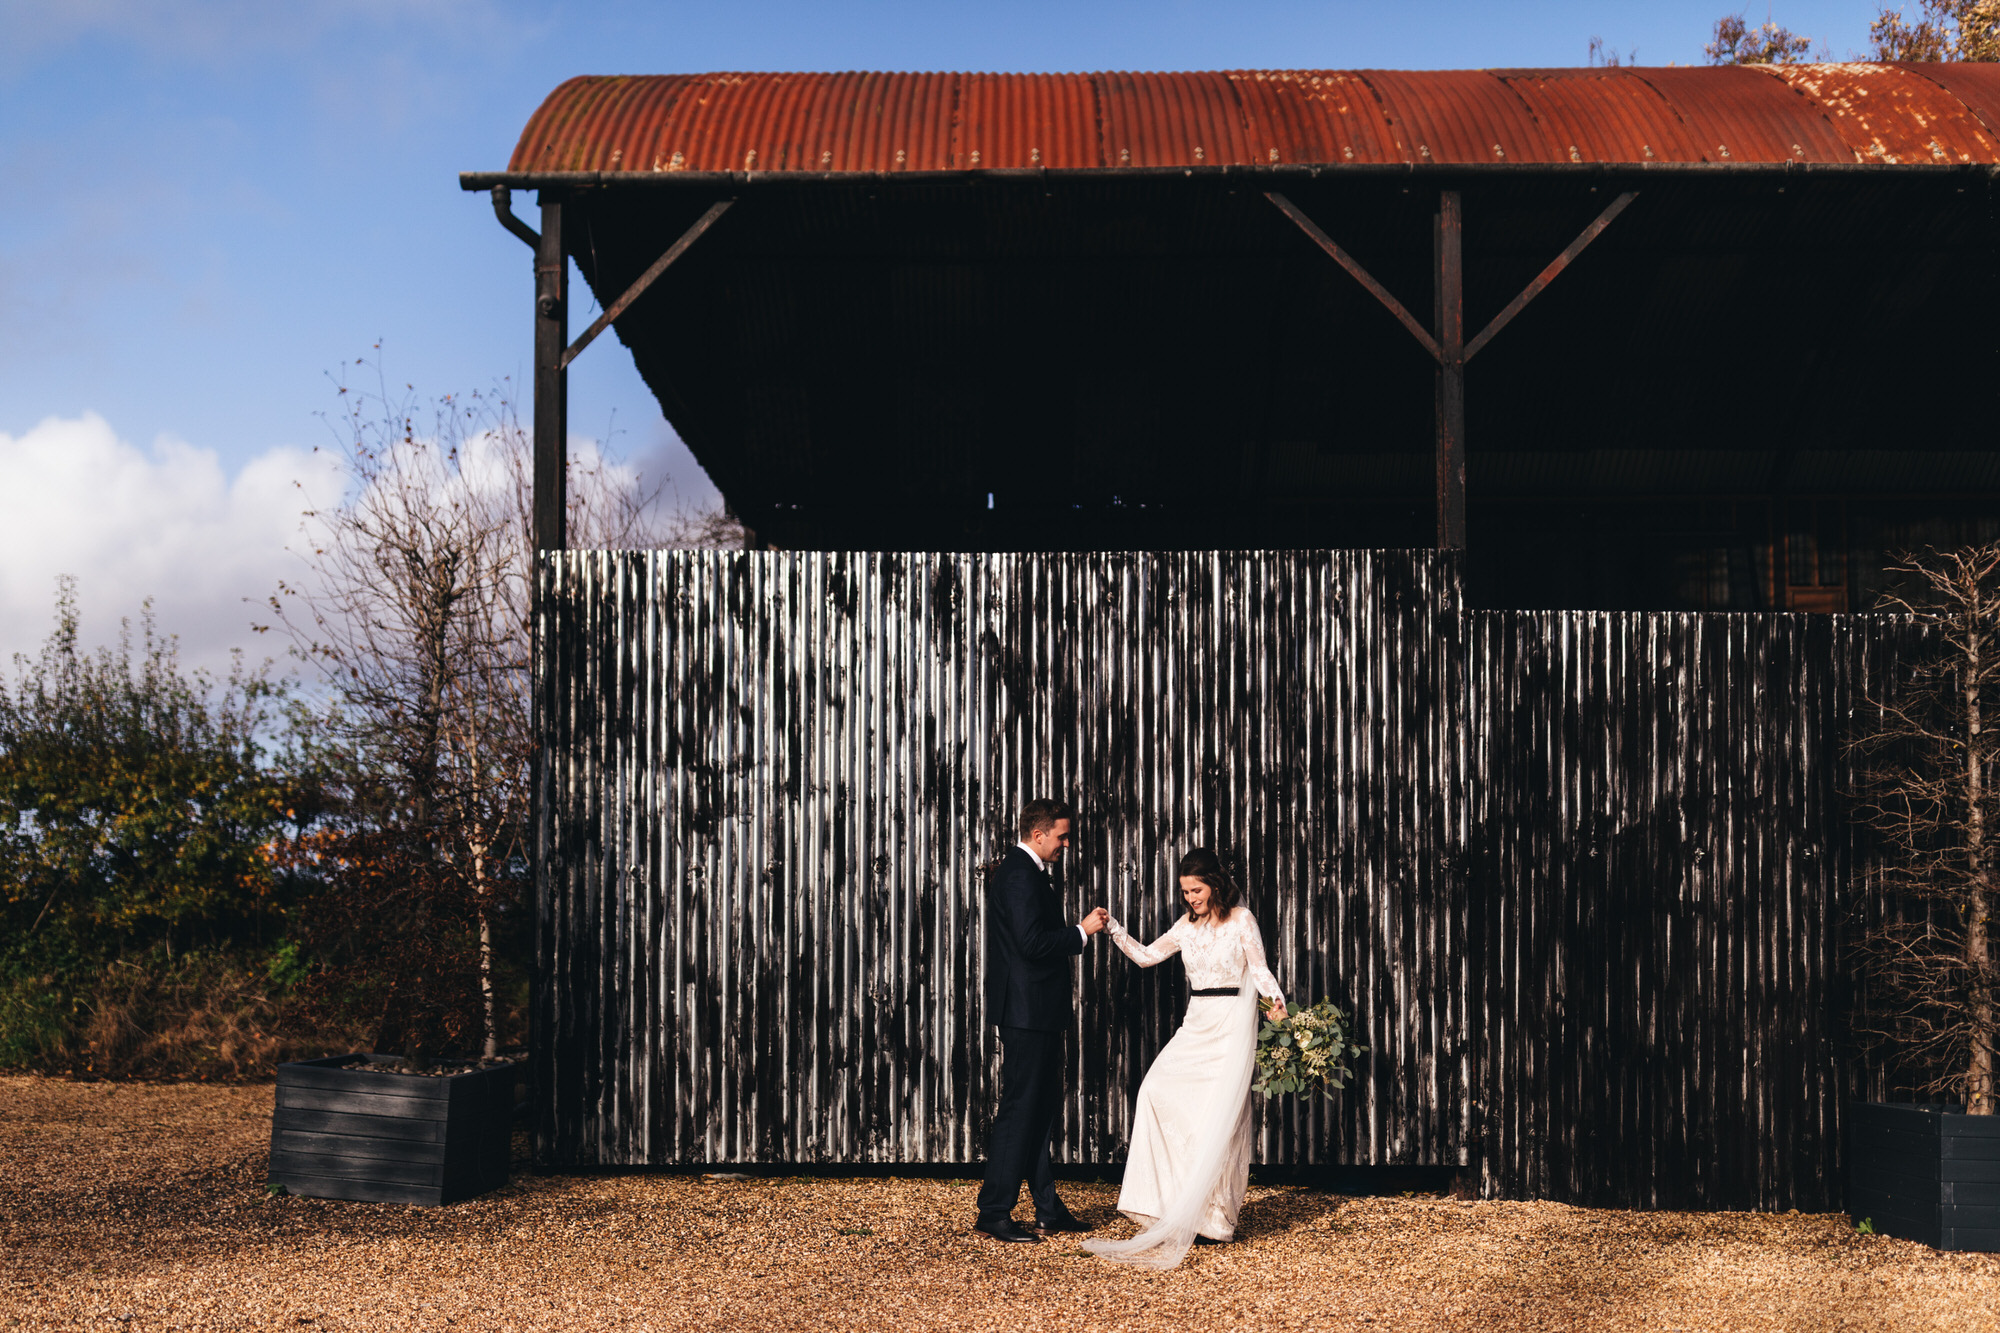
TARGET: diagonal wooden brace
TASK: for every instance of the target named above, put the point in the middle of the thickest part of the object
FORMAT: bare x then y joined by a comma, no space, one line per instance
1361,275
1548,275
646,279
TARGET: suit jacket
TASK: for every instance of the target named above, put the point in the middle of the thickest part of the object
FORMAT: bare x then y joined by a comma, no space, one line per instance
1028,948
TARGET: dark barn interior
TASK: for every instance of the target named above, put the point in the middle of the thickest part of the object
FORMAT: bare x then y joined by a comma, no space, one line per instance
1775,364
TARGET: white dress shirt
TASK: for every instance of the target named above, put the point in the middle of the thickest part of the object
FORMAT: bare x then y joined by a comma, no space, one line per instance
1043,866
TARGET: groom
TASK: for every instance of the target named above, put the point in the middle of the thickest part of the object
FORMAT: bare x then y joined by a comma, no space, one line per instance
1028,991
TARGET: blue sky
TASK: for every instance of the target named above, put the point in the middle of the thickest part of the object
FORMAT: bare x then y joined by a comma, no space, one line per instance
211,206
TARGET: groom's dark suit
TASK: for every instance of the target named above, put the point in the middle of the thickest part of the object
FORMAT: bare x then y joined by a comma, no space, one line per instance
1029,994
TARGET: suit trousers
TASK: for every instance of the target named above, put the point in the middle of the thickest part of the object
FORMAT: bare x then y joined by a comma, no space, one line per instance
1017,1148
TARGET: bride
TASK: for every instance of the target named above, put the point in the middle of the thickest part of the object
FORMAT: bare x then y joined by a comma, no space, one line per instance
1189,1161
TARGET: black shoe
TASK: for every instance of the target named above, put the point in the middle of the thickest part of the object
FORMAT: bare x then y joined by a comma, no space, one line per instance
1209,1240
1063,1221
1006,1229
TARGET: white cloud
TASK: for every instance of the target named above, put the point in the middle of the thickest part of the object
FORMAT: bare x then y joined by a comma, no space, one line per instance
209,548
165,523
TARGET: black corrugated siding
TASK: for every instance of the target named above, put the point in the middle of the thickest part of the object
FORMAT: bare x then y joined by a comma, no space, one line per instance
1575,873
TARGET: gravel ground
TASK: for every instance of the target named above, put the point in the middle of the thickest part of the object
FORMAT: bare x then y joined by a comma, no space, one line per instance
141,1207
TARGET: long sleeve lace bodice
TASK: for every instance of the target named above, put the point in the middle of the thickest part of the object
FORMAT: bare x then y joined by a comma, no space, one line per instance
1215,954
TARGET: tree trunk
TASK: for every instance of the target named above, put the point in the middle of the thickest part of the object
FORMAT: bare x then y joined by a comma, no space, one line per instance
491,1047
1979,1090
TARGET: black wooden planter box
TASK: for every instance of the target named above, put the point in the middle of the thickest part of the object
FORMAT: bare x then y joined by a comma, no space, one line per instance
390,1138
1927,1173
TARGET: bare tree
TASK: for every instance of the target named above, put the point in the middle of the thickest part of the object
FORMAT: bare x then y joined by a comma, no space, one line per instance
1943,30
1737,43
1928,788
417,612
1608,57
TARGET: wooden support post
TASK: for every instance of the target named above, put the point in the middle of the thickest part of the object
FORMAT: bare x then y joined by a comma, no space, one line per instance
551,379
550,516
1450,325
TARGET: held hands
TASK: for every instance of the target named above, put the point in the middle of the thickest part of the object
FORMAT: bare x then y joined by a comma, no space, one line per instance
1274,1010
1094,920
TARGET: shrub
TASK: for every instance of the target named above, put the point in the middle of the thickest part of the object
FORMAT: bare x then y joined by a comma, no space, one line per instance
135,801
142,807
219,1014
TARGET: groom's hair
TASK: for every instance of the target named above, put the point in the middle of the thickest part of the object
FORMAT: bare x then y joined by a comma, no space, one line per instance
1038,815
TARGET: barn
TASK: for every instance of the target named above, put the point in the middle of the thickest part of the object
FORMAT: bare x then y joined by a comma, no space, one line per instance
1457,494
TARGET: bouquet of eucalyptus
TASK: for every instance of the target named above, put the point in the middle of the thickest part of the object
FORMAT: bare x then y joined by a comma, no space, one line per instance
1306,1051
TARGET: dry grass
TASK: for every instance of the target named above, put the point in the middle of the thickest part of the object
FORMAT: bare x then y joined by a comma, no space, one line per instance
203,1016
141,1207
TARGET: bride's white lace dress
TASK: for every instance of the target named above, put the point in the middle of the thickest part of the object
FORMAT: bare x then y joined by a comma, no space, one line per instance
1189,1159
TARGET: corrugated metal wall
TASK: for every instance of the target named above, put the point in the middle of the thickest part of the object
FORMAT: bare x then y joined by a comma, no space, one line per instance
1574,872
1657,858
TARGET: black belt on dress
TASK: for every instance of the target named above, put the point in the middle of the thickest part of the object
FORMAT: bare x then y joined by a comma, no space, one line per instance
1219,990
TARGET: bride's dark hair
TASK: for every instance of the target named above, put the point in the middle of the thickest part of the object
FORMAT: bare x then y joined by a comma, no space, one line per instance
1206,866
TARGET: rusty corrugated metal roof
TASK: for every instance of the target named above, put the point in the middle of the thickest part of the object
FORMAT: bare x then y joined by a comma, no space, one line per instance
1884,114
863,122
1975,85
1603,115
